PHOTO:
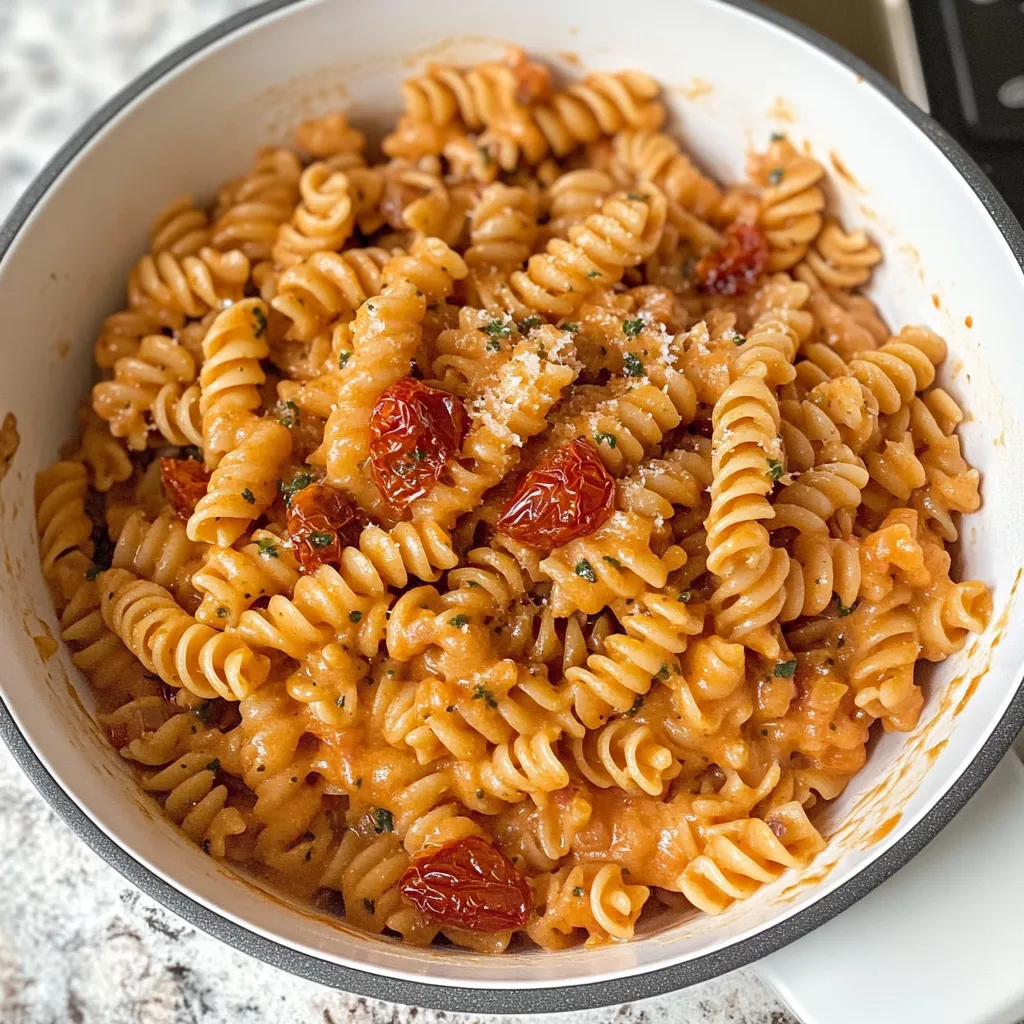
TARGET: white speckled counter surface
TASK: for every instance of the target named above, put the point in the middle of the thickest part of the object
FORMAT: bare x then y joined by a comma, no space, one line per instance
78,943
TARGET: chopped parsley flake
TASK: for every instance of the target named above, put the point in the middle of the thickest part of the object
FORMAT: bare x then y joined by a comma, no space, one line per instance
775,176
369,906
299,481
261,321
632,365
843,610
248,496
663,672
222,612
631,328
417,455
785,669
479,794
577,891
287,414
497,329
778,136
493,345
321,540
340,701
343,358
613,562
204,711
214,765
638,703
267,548
571,328
459,621
529,323
482,693
355,615
594,273
775,469
686,596
93,571
585,571
191,452
737,338
383,820
604,438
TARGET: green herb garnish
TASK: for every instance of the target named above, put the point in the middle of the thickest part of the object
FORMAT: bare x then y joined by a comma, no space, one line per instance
608,439
482,693
631,328
299,481
785,669
383,820
585,571
775,469
497,329
632,365
287,414
248,496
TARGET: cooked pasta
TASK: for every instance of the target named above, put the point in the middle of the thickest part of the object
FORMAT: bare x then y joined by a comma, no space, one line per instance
526,504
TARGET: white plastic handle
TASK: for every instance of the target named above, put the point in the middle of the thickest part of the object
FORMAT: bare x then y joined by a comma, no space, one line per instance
942,941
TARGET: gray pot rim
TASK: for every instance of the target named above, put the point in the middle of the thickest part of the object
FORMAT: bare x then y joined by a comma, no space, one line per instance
552,999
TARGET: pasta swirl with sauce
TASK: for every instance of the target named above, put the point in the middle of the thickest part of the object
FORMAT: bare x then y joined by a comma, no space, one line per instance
525,510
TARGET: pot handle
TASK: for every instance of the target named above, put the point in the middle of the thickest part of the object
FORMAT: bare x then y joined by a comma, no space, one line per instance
942,941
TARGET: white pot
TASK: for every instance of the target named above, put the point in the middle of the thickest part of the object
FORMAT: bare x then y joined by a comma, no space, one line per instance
732,75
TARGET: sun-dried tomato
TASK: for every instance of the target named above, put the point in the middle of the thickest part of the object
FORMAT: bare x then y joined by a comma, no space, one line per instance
119,734
734,268
185,482
467,884
322,522
414,431
567,495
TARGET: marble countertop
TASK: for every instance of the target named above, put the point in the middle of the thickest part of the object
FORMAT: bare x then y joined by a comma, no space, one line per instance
78,943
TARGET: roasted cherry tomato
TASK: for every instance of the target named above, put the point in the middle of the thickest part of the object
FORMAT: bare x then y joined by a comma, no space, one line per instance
322,522
414,431
734,268
567,495
467,884
185,482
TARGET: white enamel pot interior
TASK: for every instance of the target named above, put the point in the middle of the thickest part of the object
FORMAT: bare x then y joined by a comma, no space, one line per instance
732,75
